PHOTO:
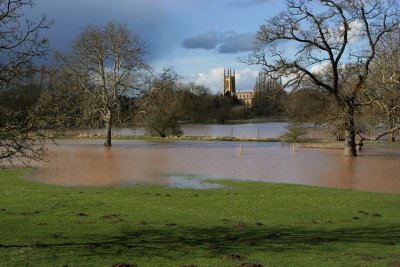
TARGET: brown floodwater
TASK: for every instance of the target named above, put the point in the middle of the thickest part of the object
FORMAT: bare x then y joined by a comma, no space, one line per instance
189,164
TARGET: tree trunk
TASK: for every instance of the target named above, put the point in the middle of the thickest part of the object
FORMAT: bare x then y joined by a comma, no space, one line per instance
392,137
108,130
350,143
350,133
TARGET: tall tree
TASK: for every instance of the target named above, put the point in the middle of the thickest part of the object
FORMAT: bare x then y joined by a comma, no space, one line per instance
70,108
196,102
268,96
108,61
21,42
316,103
160,106
20,39
330,33
384,86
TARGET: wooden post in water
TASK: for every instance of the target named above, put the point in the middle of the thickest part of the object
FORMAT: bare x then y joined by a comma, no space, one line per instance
232,132
258,133
241,151
205,132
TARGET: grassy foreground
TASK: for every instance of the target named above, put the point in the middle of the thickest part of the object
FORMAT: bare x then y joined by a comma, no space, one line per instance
245,222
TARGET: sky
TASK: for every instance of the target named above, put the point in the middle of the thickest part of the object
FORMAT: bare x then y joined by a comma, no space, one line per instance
199,38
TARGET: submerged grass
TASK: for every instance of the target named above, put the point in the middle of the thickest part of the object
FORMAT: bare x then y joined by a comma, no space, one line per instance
244,222
172,138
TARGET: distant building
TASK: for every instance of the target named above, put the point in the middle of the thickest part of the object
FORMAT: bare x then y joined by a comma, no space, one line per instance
230,89
229,83
246,97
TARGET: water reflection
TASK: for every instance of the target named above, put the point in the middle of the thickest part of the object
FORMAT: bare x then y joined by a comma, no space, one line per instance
270,129
88,163
256,130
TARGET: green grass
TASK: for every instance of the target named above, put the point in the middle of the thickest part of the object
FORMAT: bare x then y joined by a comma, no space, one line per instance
268,224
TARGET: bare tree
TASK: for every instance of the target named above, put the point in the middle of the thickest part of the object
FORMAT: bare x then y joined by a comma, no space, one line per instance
161,107
317,103
68,107
384,86
21,129
195,102
20,39
21,134
107,61
268,96
329,33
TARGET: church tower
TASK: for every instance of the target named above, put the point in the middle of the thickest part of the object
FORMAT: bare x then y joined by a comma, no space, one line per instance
229,83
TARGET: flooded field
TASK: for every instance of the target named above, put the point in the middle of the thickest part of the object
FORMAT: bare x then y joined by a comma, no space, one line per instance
270,129
188,164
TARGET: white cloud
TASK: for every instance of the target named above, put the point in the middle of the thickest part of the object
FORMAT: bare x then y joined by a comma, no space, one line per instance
357,30
212,79
246,79
319,68
354,35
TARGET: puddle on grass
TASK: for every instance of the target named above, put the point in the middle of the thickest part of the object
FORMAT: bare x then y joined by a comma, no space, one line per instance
180,181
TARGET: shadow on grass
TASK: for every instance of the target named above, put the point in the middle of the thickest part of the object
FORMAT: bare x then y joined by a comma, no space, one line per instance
222,240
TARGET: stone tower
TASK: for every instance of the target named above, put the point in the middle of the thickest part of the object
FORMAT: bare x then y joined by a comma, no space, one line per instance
229,83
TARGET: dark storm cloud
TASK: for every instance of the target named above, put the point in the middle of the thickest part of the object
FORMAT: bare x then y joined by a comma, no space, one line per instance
207,41
238,43
148,19
227,42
